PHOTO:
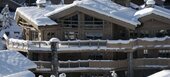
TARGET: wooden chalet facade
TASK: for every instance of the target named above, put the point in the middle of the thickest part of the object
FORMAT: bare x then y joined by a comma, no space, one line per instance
86,25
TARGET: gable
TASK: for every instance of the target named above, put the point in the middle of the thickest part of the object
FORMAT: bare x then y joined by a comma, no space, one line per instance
155,17
91,13
156,12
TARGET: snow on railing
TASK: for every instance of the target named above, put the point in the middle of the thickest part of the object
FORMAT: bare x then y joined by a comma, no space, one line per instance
16,43
82,63
91,44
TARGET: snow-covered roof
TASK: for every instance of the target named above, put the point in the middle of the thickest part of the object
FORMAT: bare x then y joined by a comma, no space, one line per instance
163,73
153,10
40,16
13,62
21,74
36,15
105,7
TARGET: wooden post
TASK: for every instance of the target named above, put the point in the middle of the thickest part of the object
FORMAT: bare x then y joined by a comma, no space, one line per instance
29,55
130,64
55,62
98,43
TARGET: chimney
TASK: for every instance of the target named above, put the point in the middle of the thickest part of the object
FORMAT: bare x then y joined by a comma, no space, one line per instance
149,3
41,3
123,2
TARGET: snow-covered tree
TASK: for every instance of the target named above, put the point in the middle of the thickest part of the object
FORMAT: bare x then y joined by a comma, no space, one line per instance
6,17
9,26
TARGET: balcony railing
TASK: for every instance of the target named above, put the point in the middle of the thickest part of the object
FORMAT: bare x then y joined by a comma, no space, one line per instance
152,63
91,45
141,63
85,64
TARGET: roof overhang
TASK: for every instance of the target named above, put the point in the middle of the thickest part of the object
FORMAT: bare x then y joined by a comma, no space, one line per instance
19,14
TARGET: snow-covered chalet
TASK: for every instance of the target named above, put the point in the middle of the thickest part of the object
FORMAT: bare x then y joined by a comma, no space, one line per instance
96,37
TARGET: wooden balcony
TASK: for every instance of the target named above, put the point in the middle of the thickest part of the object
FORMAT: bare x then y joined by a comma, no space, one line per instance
104,65
82,65
145,63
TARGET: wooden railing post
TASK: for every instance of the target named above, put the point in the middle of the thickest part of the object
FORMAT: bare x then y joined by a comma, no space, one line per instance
69,43
79,42
90,43
130,64
39,44
55,62
28,44
98,43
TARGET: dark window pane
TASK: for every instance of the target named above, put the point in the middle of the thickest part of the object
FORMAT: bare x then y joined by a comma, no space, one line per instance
75,18
67,22
88,18
95,19
88,22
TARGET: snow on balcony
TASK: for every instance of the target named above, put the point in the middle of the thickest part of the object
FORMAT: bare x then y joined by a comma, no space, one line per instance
91,45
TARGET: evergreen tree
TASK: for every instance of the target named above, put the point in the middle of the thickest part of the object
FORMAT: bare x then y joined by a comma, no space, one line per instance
6,18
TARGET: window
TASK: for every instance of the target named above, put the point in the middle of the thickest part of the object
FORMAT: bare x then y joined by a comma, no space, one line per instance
71,22
71,35
164,53
88,19
96,56
34,35
50,35
161,33
91,22
145,52
94,35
